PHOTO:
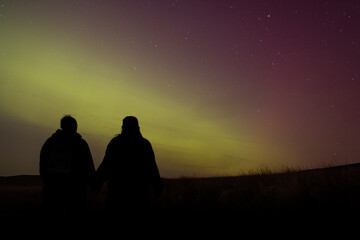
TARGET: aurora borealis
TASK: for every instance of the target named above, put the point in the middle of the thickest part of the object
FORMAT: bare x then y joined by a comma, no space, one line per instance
219,87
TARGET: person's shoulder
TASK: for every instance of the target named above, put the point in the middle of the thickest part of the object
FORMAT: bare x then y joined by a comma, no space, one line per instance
56,135
83,142
146,141
78,138
53,138
115,140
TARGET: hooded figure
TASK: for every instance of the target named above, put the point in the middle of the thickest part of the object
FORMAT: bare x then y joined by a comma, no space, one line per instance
130,168
67,168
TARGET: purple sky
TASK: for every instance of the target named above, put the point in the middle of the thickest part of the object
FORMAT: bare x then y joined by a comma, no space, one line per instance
281,79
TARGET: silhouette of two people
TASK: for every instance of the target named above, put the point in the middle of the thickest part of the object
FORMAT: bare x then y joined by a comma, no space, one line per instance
67,168
128,167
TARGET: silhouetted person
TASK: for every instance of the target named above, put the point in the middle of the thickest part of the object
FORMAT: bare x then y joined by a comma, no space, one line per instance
130,168
66,167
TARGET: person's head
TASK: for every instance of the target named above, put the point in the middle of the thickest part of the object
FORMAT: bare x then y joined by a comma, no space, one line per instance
68,124
130,125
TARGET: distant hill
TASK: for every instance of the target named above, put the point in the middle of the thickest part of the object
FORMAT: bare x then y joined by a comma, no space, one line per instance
30,180
21,180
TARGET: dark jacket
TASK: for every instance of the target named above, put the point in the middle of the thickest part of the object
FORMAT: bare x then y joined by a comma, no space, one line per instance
66,157
129,166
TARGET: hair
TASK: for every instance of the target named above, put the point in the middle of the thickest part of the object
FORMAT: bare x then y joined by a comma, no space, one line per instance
131,126
68,124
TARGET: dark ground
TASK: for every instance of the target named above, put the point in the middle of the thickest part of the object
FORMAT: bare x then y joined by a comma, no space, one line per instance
328,194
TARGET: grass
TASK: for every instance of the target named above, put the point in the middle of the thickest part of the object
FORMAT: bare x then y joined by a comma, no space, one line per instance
267,195
329,193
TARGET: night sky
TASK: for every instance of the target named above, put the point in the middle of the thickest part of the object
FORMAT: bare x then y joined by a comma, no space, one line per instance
219,87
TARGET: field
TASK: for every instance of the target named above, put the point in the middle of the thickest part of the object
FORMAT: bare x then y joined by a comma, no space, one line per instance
327,193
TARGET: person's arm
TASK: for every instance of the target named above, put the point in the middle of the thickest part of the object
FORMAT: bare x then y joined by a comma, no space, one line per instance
154,176
90,167
102,173
44,155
